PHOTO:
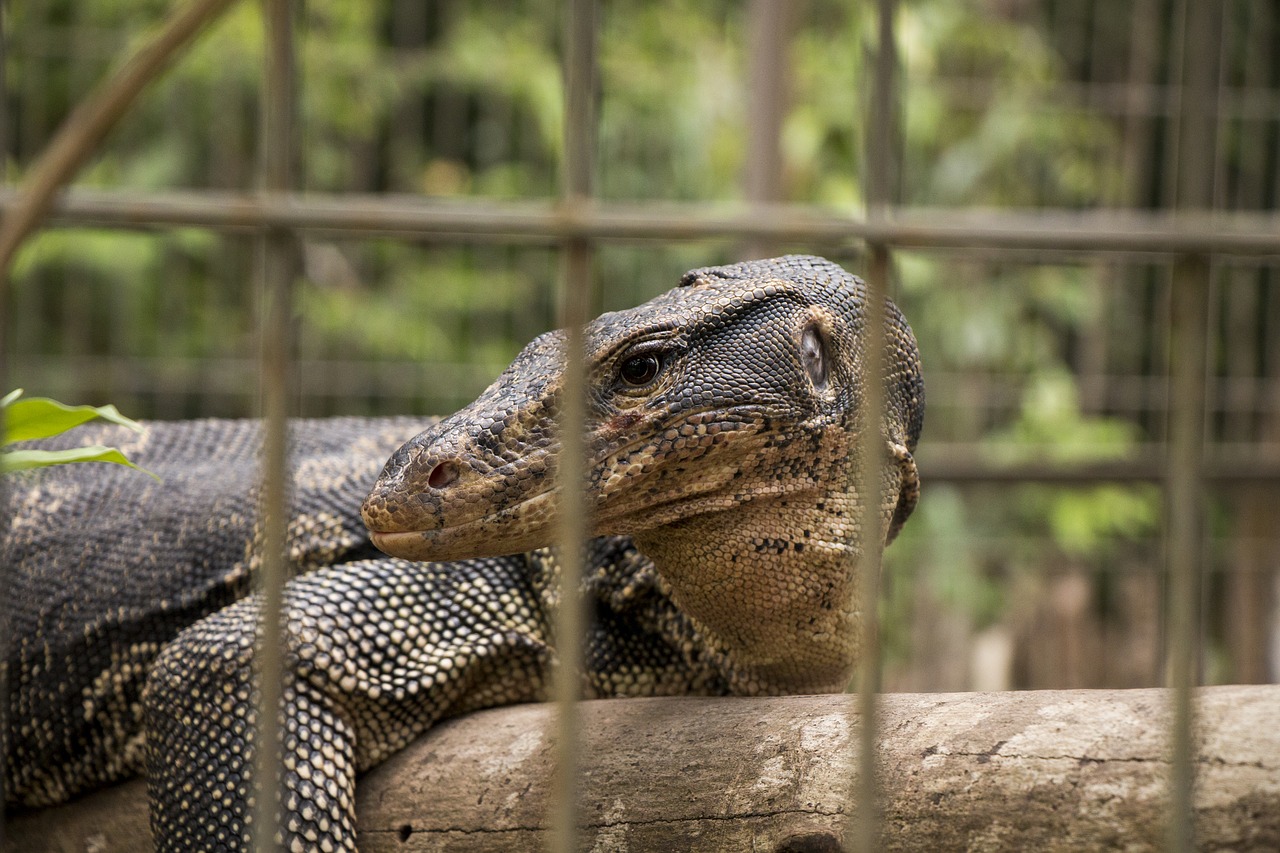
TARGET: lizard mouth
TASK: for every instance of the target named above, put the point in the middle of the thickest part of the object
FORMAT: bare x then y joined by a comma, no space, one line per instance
443,509
514,529
406,544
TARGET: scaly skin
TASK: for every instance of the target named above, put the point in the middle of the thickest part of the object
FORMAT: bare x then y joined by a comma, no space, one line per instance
720,432
729,466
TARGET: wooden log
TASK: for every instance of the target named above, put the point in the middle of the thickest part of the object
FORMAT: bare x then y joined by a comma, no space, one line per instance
1042,770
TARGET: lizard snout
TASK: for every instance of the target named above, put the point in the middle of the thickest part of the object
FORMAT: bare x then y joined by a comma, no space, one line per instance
408,493
454,489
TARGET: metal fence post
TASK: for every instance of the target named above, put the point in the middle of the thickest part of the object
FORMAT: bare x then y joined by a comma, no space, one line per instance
570,627
277,272
870,462
1185,520
1188,343
769,26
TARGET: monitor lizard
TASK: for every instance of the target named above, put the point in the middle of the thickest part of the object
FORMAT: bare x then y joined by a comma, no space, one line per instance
720,434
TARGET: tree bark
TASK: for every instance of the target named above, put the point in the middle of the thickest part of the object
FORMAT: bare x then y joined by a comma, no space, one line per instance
1043,770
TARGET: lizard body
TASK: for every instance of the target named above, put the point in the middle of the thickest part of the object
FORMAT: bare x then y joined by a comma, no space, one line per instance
721,429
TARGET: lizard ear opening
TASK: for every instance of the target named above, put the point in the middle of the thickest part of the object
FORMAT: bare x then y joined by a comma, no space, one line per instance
813,355
443,474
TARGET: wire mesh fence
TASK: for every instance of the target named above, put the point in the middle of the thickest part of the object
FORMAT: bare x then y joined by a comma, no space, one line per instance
1075,202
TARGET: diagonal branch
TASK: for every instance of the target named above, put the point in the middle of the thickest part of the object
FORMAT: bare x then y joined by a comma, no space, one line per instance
94,117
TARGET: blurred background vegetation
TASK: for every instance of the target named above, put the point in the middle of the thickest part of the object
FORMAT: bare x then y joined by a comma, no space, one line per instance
1064,104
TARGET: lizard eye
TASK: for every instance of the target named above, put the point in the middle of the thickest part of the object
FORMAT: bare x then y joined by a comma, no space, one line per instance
814,358
640,370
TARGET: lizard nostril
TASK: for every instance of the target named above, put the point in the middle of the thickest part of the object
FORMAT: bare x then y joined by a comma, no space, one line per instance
442,475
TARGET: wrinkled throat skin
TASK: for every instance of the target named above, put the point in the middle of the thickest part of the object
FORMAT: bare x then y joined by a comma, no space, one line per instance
721,431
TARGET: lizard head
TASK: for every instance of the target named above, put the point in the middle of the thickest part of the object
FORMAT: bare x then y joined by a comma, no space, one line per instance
721,423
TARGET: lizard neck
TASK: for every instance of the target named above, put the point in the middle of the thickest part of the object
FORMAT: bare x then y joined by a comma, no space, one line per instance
772,588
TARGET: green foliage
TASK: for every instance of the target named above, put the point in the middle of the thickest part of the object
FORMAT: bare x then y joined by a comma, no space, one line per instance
984,126
39,417
1083,522
660,139
407,314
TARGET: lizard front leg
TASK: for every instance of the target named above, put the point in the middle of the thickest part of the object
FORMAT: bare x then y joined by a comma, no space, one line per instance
376,652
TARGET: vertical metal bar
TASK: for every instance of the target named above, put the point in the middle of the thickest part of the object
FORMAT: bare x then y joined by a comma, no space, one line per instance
575,306
880,180
869,463
869,550
769,30
1197,128
580,94
1188,343
1188,340
1139,128
570,619
277,272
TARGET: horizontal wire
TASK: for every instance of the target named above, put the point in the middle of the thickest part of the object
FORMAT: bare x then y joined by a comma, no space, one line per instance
1096,231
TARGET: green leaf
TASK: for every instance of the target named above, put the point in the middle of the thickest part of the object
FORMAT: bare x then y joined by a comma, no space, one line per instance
19,460
40,417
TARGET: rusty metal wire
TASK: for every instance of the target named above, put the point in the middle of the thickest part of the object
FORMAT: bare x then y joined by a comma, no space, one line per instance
276,284
869,470
1194,235
1188,364
1184,541
570,626
769,33
1089,232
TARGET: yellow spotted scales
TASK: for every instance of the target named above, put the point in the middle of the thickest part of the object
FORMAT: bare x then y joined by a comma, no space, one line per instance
720,434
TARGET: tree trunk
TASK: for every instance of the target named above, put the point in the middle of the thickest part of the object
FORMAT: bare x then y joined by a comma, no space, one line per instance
1044,770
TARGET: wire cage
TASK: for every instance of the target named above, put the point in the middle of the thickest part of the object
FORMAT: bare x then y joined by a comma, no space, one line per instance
1073,201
